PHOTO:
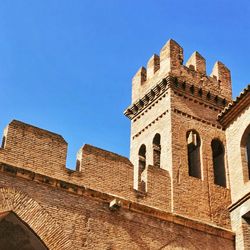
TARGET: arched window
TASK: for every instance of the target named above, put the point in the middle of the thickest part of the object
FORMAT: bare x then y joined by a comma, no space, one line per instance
219,162
142,169
245,154
248,153
157,150
3,142
193,147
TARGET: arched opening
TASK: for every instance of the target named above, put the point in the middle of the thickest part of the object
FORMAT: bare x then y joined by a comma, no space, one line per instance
218,153
247,151
193,148
142,169
3,142
245,154
15,234
157,150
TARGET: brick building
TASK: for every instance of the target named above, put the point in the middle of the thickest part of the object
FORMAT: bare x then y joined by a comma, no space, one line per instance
186,185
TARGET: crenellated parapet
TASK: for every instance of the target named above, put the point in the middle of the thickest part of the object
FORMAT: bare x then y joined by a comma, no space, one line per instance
170,63
202,95
33,153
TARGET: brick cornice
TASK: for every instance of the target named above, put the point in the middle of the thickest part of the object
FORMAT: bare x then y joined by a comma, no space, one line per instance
199,94
235,108
197,118
181,87
107,198
154,93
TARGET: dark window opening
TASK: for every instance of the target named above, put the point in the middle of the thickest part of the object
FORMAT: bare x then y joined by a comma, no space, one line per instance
219,162
157,150
245,154
78,165
248,154
3,142
142,169
192,89
200,92
193,146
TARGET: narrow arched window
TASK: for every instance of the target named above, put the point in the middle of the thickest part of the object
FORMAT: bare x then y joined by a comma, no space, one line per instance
142,169
218,153
157,150
248,153
245,154
193,147
3,142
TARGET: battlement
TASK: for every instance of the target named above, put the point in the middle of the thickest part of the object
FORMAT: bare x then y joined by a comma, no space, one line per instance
28,148
170,62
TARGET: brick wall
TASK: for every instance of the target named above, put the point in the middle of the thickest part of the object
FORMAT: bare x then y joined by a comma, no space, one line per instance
44,152
195,197
33,148
83,222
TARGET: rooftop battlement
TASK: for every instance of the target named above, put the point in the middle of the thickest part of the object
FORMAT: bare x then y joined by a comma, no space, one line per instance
170,62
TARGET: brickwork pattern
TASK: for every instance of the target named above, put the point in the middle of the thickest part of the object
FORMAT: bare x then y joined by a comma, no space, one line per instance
84,222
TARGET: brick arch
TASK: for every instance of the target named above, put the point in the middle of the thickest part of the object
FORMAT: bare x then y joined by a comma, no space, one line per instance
34,215
180,243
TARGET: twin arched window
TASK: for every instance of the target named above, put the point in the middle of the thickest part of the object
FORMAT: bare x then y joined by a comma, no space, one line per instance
194,158
142,161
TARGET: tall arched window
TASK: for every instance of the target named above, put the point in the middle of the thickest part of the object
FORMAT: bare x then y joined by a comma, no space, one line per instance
3,142
193,147
157,150
218,153
245,154
142,168
248,152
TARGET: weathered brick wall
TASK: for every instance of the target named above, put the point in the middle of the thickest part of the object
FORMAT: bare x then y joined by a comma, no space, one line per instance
78,221
33,148
44,152
194,197
113,174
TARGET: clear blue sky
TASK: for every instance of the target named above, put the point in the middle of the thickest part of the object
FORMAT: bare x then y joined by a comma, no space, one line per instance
66,66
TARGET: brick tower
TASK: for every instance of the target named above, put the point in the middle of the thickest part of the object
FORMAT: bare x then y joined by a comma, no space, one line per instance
174,127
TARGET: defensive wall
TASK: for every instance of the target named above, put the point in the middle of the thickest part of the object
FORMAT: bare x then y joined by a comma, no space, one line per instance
73,207
98,205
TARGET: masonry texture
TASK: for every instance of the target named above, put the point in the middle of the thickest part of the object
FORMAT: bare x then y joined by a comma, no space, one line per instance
185,186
